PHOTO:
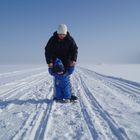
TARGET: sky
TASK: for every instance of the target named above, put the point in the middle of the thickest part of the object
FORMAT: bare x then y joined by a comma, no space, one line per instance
105,31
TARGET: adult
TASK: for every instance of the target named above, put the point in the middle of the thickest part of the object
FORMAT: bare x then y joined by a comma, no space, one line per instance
61,45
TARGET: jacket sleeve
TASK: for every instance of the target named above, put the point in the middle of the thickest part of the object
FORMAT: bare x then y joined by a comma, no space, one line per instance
48,51
70,70
73,51
51,72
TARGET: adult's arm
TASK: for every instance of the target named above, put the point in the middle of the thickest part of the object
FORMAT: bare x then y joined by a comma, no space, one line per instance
48,53
73,52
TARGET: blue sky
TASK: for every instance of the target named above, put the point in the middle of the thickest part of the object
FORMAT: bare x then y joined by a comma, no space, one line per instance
105,31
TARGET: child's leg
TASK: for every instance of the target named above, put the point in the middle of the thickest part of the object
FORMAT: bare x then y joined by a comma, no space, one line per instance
67,92
58,93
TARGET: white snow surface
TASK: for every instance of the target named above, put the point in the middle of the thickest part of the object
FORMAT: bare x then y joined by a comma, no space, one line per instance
108,107
125,71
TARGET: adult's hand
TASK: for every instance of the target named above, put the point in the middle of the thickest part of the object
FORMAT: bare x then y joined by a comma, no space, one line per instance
50,65
72,63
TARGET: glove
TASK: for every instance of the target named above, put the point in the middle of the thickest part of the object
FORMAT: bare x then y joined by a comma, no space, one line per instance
50,70
71,69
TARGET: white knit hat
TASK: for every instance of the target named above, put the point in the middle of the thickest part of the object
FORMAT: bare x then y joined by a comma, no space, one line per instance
62,29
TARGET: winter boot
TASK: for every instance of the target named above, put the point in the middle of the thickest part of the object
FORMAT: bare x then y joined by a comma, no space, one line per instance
73,97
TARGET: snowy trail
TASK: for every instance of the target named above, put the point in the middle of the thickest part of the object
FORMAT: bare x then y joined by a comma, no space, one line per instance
108,107
105,121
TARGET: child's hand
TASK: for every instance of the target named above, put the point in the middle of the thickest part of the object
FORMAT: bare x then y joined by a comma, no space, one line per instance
50,70
71,69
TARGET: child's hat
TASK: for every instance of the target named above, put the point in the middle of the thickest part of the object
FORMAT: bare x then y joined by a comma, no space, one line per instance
58,66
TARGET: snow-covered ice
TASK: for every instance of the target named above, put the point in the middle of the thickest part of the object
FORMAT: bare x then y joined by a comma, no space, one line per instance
108,107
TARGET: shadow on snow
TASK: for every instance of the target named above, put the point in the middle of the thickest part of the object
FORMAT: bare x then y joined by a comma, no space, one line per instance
4,104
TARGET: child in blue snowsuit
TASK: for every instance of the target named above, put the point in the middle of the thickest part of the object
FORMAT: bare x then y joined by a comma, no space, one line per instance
61,80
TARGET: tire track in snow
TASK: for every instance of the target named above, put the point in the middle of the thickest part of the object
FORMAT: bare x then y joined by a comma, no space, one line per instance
20,98
122,107
123,85
118,132
22,80
99,115
27,123
38,129
125,88
89,122
27,89
11,80
43,122
27,83
15,73
32,123
86,115
131,93
134,85
96,130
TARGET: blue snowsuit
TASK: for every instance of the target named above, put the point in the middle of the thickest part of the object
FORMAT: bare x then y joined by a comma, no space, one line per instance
62,82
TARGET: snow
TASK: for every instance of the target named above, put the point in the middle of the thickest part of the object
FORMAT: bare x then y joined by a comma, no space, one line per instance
108,107
126,71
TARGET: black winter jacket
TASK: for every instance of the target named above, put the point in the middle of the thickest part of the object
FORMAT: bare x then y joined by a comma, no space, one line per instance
65,49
